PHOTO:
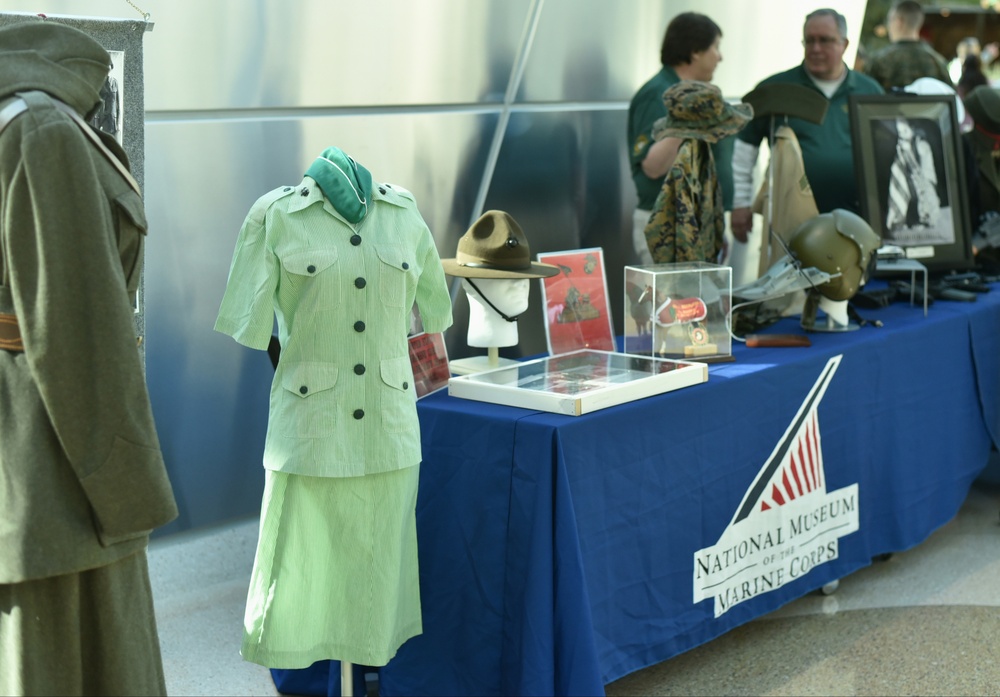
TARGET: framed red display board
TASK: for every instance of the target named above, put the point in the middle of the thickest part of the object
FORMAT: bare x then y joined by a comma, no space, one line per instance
577,313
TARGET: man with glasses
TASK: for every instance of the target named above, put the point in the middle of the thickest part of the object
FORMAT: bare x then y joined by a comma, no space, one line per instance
826,148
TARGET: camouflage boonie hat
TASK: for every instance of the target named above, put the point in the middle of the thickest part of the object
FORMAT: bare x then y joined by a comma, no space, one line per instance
697,110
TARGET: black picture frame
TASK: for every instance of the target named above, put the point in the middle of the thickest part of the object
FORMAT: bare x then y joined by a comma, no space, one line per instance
913,196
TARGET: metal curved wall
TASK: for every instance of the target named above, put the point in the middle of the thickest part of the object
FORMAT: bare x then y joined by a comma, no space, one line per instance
471,104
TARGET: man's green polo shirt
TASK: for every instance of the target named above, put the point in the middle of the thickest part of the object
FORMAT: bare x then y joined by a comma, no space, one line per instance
827,152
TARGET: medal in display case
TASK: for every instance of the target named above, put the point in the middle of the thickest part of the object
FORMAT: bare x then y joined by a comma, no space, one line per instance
679,311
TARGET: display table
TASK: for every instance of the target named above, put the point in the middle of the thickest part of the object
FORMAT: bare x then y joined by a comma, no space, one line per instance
560,553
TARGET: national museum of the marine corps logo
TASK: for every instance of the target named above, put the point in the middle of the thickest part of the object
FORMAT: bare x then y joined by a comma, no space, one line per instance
787,523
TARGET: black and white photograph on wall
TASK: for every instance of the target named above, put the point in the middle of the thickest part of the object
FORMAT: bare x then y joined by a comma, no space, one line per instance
908,162
108,115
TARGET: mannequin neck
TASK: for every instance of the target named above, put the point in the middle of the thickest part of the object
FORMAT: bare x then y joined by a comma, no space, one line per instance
486,327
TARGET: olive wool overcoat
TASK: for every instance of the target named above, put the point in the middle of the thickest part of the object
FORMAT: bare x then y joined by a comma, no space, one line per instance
82,478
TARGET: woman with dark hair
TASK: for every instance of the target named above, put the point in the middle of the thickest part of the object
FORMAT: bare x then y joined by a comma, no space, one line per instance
690,51
972,75
687,34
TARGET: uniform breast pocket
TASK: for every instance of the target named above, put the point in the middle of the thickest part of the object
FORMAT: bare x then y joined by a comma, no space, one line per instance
396,274
308,400
130,218
399,402
313,272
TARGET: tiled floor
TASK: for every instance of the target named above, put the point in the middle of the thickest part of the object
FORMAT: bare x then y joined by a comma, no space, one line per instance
924,622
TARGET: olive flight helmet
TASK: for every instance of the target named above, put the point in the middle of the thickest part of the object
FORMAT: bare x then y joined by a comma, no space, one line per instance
838,242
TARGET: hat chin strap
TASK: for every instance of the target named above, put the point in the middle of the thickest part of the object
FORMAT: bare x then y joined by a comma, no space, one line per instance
495,308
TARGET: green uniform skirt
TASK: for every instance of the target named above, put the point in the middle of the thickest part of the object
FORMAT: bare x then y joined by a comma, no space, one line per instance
335,576
88,633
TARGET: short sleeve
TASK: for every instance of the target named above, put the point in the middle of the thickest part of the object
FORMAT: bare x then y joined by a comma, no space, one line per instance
433,298
247,310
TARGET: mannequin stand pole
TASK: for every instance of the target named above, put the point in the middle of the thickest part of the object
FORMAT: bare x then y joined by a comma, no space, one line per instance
346,679
493,353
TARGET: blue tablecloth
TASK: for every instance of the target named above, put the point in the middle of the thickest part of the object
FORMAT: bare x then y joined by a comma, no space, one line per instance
557,553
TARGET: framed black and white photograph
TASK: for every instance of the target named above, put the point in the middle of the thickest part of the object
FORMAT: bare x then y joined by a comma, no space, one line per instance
109,113
911,176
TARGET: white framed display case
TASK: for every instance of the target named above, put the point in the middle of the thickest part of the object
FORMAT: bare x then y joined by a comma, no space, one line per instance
678,311
578,382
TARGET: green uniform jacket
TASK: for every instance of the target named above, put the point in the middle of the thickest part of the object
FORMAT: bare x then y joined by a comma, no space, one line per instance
82,479
899,64
826,148
343,402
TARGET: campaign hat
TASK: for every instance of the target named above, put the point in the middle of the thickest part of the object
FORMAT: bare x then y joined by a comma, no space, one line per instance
495,246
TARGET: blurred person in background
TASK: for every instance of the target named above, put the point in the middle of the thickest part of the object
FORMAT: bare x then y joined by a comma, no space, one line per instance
970,46
972,75
908,57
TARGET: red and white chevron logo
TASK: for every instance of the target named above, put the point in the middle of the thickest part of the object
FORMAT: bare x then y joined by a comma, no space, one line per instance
787,523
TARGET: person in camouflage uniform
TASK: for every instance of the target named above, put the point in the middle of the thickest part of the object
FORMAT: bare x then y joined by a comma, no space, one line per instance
908,57
687,221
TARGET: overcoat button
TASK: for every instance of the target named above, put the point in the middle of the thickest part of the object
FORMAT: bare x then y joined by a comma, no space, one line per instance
311,268
359,326
303,389
355,240
405,266
381,189
406,385
359,369
360,282
359,413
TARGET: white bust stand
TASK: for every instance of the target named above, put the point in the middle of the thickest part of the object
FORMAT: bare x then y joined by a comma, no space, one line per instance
487,329
834,319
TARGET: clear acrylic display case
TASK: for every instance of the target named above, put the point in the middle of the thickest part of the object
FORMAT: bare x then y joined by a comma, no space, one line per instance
678,311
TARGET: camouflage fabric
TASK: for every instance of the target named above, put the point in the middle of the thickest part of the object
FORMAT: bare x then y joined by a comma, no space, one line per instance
697,110
899,64
687,222
643,111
